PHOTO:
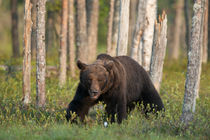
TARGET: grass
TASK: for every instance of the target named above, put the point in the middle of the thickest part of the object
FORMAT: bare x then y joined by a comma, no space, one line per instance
17,122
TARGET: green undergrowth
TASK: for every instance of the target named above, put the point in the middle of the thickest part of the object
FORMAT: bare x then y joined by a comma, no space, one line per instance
18,122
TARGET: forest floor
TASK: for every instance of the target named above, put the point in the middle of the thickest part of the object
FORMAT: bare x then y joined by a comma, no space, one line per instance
17,122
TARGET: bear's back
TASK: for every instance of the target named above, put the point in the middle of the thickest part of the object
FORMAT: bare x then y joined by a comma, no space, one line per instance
137,78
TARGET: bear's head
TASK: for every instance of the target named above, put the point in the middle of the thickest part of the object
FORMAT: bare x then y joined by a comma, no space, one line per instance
95,77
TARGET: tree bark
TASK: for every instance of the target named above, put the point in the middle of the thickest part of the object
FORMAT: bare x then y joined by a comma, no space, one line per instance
123,28
81,42
49,31
40,55
33,33
158,51
63,44
92,29
187,20
27,54
209,34
15,39
71,39
115,28
205,33
132,21
110,26
174,53
151,12
137,34
194,64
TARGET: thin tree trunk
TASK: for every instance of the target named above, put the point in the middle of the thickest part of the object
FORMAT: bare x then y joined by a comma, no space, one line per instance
92,28
33,34
201,41
158,51
49,31
71,38
81,42
137,34
194,64
187,20
123,28
110,26
205,33
115,28
27,54
132,22
151,12
63,43
174,53
40,54
209,34
15,40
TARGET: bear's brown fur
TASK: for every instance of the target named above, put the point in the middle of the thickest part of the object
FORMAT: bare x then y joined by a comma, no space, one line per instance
117,81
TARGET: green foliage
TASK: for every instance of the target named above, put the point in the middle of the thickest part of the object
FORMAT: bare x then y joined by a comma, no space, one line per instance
103,20
18,122
54,6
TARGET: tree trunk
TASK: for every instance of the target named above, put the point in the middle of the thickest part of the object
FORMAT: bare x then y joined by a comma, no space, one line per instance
63,43
71,38
40,54
115,29
158,51
137,34
33,34
123,28
174,53
15,40
27,54
92,28
209,34
151,11
187,20
132,22
205,33
82,48
110,26
194,64
49,31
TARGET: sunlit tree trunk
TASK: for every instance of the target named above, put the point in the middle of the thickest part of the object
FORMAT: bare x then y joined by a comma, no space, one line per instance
158,51
209,34
71,38
138,31
194,64
151,12
110,26
81,39
33,33
63,44
205,33
174,52
92,28
40,54
14,19
27,54
123,28
115,28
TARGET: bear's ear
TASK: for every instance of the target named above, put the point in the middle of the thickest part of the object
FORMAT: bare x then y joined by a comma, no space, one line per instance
108,65
81,65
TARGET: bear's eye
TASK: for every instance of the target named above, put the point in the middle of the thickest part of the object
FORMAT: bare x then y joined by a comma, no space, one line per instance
100,80
89,80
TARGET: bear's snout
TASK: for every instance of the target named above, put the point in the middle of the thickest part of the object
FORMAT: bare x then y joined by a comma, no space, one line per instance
94,93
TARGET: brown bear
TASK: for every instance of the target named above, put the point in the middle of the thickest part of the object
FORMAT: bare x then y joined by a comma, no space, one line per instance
119,82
